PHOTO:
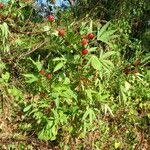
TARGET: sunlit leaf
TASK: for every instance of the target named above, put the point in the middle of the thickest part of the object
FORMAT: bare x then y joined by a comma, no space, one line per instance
95,63
58,66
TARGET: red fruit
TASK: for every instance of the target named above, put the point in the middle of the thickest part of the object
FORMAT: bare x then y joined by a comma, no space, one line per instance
90,36
61,33
84,52
42,72
51,18
1,5
84,42
49,76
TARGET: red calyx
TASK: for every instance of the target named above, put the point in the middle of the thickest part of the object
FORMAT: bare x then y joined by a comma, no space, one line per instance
51,18
137,62
84,52
52,104
61,33
42,72
90,36
83,36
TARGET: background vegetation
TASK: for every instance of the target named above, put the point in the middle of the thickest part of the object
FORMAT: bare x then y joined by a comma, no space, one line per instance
75,79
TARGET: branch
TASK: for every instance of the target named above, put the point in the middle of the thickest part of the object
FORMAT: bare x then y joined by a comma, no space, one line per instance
28,32
31,51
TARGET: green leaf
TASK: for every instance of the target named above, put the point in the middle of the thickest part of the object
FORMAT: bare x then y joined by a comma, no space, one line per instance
15,92
85,115
85,125
91,26
108,109
2,66
27,108
22,4
37,63
92,116
59,59
66,80
102,98
117,145
102,30
127,86
58,66
4,30
89,113
146,59
49,131
108,64
6,76
19,42
107,35
89,94
108,54
31,78
62,117
95,63
92,49
46,28
71,94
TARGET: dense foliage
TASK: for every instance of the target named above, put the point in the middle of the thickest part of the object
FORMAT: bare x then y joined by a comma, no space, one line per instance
77,79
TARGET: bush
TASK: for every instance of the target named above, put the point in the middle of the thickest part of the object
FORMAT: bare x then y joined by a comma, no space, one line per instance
79,84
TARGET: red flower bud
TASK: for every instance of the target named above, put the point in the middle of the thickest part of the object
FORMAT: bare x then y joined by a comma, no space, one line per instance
42,72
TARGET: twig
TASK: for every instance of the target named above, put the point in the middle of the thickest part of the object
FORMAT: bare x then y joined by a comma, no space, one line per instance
31,51
28,18
28,32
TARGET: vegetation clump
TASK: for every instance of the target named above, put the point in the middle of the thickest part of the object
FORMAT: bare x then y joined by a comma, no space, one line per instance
78,79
